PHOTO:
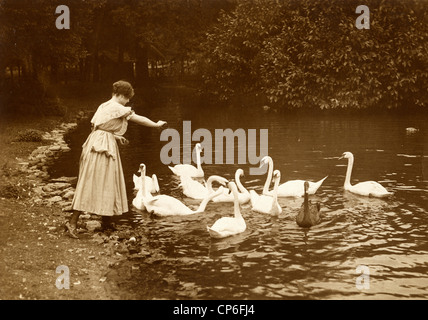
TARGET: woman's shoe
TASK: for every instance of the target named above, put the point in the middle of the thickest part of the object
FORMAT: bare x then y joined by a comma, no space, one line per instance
107,224
112,226
72,231
108,227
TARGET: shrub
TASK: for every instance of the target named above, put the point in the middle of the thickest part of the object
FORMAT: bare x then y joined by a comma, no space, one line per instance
30,135
308,53
10,191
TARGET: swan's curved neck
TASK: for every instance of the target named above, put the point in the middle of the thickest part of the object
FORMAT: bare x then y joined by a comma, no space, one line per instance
349,172
203,205
239,184
269,176
306,219
207,199
210,183
236,207
143,183
306,203
198,159
275,191
156,182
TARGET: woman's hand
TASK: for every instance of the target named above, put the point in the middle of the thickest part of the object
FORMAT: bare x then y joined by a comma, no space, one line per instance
122,140
161,123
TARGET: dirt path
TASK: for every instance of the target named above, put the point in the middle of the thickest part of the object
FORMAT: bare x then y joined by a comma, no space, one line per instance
33,245
101,266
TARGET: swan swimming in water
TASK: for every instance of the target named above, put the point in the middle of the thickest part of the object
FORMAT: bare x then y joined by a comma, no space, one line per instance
228,226
164,205
228,196
188,169
411,130
196,190
267,204
309,214
292,188
138,202
152,183
367,188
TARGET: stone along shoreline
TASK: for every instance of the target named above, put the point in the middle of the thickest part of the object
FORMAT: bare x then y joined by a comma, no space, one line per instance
56,192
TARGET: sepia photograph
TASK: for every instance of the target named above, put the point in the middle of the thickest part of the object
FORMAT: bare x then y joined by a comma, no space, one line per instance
212,154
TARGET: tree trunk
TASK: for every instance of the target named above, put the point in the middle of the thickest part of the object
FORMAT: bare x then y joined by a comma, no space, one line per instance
11,73
95,72
54,72
81,70
142,67
120,66
2,72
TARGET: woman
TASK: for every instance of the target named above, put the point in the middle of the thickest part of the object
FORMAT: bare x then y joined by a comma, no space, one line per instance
101,186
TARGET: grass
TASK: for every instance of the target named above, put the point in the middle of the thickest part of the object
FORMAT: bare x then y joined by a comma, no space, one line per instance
17,131
11,127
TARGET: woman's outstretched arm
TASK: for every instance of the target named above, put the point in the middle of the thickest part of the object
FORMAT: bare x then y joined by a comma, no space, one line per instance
146,121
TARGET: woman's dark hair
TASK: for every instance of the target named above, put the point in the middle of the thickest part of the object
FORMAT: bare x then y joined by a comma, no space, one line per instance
123,88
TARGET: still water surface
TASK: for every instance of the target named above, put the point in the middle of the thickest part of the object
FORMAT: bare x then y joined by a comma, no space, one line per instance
274,258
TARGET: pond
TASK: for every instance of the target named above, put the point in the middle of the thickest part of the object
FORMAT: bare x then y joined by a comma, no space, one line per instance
274,258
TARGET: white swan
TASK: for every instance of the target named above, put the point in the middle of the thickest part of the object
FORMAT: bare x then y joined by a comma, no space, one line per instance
196,190
164,205
188,169
411,130
292,188
367,188
228,226
138,202
228,196
152,183
267,204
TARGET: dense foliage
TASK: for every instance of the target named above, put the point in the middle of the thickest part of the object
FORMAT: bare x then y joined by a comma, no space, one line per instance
309,53
107,40
291,53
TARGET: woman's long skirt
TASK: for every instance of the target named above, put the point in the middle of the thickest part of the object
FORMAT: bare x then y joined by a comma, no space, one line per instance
101,186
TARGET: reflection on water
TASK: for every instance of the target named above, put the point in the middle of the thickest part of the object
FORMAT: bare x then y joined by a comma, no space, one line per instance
274,258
